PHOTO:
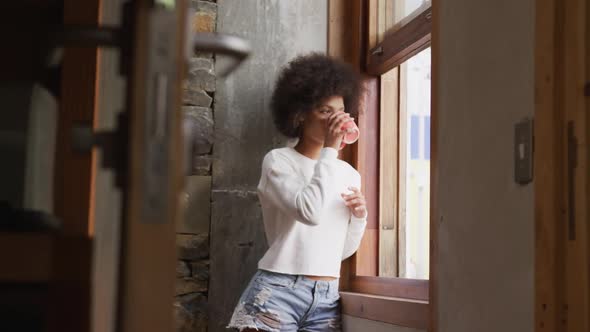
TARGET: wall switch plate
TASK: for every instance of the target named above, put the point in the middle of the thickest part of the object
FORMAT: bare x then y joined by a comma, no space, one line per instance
523,151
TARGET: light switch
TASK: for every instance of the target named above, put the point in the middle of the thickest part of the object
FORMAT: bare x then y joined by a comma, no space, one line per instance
523,151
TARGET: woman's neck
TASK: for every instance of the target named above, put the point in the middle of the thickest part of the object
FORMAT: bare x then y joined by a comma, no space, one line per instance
309,149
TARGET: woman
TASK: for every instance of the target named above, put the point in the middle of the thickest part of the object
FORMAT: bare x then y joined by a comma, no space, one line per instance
314,213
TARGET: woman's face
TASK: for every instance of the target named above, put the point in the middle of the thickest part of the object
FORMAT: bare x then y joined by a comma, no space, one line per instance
315,123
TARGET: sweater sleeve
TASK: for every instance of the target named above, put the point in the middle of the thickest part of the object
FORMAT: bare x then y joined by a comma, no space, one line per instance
356,229
305,202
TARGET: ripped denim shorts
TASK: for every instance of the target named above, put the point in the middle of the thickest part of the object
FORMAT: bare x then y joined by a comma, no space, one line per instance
283,302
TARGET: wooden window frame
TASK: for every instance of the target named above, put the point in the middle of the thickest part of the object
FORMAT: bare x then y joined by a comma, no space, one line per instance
360,284
410,37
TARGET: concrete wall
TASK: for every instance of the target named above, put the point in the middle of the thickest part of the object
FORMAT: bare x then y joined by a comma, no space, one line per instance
278,30
485,238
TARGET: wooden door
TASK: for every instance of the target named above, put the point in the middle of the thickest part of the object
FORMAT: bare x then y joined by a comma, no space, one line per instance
576,306
154,176
562,182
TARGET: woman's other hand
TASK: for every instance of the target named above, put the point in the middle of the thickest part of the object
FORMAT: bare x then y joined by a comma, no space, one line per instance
356,202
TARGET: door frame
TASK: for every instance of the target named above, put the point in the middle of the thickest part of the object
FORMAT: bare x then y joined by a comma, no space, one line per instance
562,229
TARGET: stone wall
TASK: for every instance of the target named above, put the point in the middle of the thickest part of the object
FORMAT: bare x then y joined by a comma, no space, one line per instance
192,269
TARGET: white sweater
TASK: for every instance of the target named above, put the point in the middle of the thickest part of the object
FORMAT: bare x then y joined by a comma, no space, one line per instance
308,228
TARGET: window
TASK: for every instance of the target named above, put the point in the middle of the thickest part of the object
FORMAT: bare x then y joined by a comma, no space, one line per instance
404,188
394,257
387,279
392,14
414,170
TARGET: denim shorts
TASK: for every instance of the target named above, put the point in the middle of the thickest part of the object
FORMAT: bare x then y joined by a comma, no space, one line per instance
283,302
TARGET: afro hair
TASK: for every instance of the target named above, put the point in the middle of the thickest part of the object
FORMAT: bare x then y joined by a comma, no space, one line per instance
305,83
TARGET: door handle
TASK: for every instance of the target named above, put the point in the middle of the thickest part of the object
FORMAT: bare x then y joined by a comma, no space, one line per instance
238,49
235,47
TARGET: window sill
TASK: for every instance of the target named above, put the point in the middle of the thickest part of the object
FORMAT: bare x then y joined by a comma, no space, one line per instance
392,310
415,289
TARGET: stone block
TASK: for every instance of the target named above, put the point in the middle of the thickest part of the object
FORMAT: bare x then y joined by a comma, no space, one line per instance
197,204
190,285
202,165
200,270
199,123
196,98
201,75
182,269
192,247
200,80
205,16
200,63
190,313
